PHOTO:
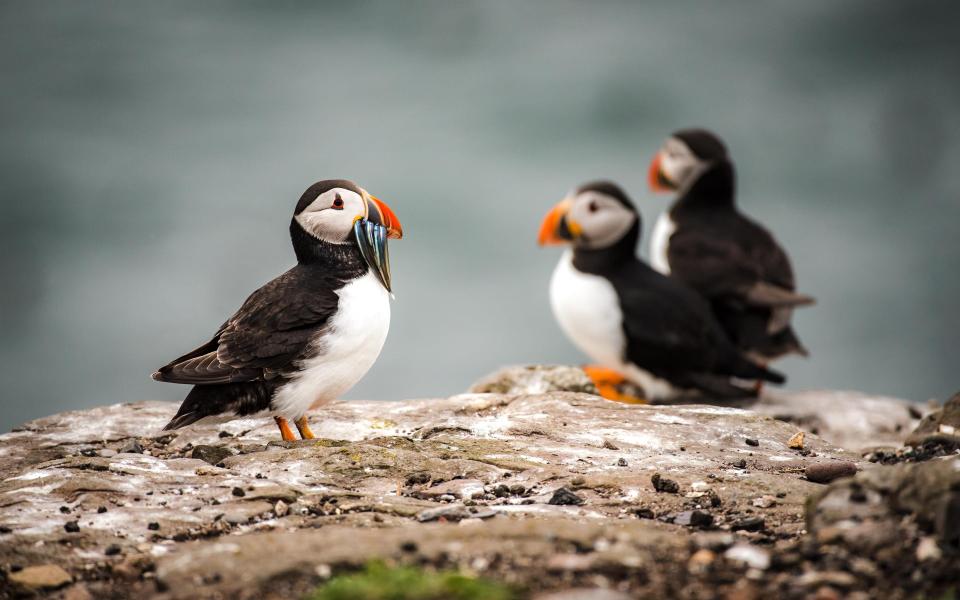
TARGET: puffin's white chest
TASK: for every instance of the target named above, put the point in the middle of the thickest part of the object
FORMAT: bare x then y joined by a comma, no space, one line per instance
660,241
347,348
588,310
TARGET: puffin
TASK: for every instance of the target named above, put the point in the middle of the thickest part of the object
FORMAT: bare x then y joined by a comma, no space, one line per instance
706,242
638,325
309,335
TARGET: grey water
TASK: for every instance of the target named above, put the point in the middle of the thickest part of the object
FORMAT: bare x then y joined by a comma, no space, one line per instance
152,153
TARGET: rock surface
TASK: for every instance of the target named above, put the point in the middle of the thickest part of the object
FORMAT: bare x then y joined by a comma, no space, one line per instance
481,482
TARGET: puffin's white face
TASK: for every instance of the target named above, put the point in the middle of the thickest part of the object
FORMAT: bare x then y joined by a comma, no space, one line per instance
601,219
588,219
678,166
331,216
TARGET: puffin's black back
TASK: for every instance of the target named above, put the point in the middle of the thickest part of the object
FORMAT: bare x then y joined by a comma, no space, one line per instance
724,255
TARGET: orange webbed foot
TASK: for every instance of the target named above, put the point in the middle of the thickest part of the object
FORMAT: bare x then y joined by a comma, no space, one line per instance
609,382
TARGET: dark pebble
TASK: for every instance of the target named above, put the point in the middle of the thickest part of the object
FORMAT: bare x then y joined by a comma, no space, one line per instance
65,509
408,546
501,491
825,472
71,527
621,462
748,524
181,537
662,484
102,509
715,500
517,489
564,497
88,452
112,550
210,454
644,513
224,434
5,529
238,492
418,478
132,447
752,442
694,518
153,526
740,464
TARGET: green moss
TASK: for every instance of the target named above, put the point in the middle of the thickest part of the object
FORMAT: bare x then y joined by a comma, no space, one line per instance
379,582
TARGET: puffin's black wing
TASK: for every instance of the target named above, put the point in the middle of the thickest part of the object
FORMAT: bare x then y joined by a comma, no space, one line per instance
269,332
735,259
672,332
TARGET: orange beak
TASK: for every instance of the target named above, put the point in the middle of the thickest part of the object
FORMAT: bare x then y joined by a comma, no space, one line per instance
556,227
387,218
655,177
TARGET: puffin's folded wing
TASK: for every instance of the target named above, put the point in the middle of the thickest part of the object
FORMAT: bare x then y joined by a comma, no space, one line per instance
712,266
270,332
666,332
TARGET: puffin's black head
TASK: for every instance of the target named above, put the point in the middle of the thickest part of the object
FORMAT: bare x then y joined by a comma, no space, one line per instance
684,157
595,216
338,211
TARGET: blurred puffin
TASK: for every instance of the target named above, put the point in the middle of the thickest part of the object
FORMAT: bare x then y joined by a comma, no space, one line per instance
309,335
637,323
704,241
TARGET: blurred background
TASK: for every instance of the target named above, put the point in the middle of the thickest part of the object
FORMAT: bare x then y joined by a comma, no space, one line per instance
152,154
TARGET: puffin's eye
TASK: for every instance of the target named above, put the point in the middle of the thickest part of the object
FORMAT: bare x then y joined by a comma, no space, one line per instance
592,207
337,203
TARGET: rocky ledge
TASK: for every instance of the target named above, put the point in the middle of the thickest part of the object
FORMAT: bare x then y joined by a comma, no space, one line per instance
550,491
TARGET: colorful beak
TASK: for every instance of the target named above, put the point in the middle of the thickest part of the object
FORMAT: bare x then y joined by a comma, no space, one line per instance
372,233
557,227
656,178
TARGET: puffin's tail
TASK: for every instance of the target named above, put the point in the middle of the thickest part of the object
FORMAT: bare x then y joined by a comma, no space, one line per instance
746,369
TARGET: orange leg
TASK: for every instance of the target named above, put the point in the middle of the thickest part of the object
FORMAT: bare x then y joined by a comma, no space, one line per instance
304,428
285,432
758,385
607,382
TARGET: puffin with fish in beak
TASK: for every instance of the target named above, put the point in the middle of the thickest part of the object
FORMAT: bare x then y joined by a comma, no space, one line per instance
309,335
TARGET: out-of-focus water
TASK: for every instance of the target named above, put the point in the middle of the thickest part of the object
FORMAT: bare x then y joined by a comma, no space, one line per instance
152,153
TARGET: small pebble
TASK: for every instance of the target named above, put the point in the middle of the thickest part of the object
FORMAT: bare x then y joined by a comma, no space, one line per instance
740,464
796,442
765,501
752,442
694,518
621,462
153,526
645,513
517,489
418,478
825,472
132,447
748,524
238,492
501,491
71,527
65,509
102,509
112,550
662,484
564,497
